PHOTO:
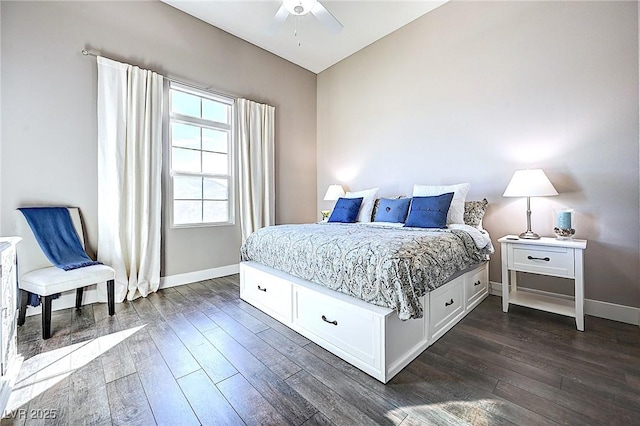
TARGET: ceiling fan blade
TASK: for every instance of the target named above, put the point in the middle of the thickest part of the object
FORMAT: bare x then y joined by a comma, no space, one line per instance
326,18
278,20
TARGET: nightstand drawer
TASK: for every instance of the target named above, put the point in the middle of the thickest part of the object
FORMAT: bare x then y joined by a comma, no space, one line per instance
554,261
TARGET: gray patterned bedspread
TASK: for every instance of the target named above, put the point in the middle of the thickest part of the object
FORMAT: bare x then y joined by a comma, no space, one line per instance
386,266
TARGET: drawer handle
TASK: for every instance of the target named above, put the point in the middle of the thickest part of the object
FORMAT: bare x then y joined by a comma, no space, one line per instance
449,303
262,289
546,259
477,283
334,322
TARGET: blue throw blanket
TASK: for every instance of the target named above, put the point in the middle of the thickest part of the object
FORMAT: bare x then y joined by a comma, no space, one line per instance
57,237
53,229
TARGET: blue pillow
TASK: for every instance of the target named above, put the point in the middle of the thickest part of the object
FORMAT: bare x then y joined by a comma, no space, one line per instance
392,210
346,210
429,212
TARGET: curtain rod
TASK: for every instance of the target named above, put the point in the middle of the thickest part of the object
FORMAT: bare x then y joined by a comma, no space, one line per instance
85,52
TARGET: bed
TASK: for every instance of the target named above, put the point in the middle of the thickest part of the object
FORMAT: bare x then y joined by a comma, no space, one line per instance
374,294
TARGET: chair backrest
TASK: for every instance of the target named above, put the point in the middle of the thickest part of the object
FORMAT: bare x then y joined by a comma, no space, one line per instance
30,255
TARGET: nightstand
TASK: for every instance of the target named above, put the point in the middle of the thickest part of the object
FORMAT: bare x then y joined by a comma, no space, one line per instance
546,256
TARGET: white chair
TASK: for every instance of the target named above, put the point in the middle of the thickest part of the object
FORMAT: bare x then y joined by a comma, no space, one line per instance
36,274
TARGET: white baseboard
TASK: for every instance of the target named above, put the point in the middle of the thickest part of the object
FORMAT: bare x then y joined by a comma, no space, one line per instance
68,299
192,277
596,308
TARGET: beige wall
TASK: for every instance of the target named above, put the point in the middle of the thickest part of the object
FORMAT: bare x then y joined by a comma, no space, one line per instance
475,90
49,128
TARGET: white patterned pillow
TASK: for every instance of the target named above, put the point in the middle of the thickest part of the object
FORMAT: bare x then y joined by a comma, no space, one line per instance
474,212
368,200
460,191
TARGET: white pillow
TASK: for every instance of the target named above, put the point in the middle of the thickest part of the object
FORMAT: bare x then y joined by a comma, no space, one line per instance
460,191
368,200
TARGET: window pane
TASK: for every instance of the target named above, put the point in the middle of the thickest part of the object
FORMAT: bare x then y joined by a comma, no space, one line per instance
187,212
216,189
214,163
215,140
187,187
216,111
185,136
216,211
185,104
185,160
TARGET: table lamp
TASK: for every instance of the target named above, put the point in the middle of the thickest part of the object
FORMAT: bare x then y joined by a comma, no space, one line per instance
529,183
333,193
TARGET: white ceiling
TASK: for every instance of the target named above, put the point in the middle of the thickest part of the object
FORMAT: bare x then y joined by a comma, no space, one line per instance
364,23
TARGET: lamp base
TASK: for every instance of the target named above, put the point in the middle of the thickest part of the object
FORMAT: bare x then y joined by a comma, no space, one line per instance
529,235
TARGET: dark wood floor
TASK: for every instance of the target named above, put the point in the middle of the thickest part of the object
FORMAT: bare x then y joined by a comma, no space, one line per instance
206,357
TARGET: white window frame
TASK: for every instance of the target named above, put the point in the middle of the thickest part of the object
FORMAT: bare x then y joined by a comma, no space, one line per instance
209,124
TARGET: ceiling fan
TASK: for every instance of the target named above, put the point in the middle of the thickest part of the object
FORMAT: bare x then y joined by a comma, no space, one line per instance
302,7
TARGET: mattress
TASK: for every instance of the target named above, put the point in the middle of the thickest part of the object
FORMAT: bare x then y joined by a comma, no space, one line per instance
384,265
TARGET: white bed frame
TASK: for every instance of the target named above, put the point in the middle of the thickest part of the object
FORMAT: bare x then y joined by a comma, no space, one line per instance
369,337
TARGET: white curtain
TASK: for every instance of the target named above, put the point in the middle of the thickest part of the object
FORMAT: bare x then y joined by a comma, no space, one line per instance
130,104
256,138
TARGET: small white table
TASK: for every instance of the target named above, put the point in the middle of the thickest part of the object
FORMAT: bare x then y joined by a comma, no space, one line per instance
546,256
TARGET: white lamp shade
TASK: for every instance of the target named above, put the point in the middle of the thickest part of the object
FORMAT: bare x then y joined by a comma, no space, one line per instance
333,193
529,183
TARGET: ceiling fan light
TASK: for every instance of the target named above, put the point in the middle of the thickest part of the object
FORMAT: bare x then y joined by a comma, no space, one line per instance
299,7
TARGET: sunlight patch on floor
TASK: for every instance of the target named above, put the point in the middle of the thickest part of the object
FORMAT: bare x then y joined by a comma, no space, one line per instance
43,371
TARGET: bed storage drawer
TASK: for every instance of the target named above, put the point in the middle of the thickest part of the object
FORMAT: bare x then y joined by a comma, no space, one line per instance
476,287
349,329
446,306
554,261
267,292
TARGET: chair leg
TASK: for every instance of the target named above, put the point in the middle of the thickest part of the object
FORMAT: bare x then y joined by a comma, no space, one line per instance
46,316
24,299
111,297
79,292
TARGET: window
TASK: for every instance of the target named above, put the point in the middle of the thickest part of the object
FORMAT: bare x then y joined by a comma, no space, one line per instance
201,157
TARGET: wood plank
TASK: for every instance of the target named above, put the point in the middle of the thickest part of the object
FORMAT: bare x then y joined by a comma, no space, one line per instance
200,321
370,403
167,402
467,353
55,400
210,359
146,311
250,405
299,339
318,419
549,409
181,304
282,366
198,299
328,402
537,354
87,392
117,361
101,311
128,402
175,354
462,383
600,411
249,321
83,324
207,401
289,403
163,304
